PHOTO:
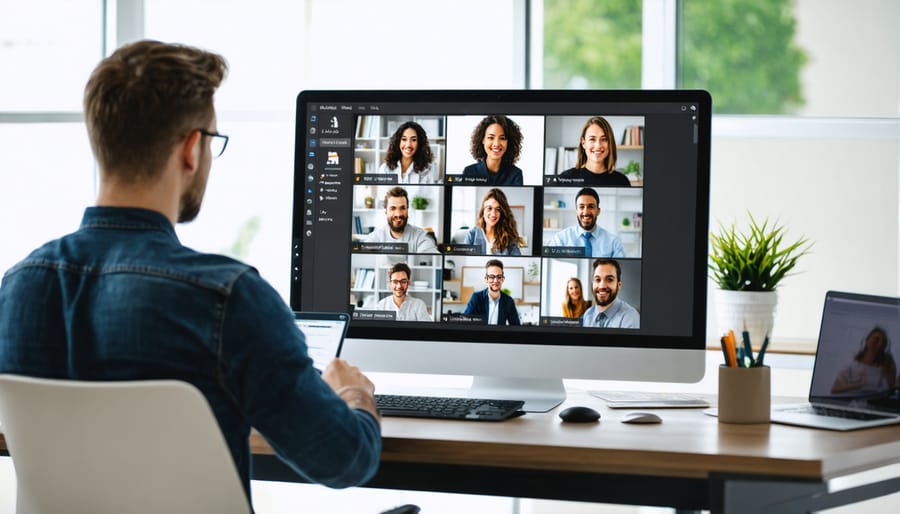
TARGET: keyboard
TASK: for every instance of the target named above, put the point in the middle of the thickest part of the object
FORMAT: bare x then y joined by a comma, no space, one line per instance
439,407
834,413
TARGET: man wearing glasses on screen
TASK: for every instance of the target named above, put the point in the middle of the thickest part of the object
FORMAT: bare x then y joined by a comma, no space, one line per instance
495,306
405,307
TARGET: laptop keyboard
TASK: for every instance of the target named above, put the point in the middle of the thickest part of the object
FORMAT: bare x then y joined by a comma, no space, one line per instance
477,409
835,413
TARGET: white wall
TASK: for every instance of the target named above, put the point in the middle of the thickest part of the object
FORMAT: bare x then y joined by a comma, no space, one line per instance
854,67
841,193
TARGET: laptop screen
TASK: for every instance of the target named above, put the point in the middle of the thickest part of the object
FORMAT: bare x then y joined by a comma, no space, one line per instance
854,361
324,333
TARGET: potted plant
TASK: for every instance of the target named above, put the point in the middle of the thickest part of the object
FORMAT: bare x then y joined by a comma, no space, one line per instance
747,268
632,170
420,203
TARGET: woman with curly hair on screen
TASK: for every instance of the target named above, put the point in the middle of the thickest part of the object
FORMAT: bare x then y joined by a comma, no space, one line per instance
496,145
409,156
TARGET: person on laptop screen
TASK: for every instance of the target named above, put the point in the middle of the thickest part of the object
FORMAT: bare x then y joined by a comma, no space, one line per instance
873,368
405,307
397,228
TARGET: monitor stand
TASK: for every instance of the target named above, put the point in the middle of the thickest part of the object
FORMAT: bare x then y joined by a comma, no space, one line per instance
539,394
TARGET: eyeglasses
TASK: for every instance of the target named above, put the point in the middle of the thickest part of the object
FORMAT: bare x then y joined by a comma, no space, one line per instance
218,143
401,282
494,277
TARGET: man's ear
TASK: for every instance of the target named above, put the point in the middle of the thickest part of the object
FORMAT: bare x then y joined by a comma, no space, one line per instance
190,151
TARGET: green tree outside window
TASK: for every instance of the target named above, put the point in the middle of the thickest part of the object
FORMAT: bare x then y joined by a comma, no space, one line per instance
741,51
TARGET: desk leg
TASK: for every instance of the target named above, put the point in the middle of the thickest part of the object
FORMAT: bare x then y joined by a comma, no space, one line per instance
739,495
742,495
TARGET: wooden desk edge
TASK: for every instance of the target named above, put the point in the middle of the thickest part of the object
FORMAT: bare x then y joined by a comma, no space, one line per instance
597,460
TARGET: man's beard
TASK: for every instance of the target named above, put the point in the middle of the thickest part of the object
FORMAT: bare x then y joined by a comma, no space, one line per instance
593,223
611,296
190,205
398,225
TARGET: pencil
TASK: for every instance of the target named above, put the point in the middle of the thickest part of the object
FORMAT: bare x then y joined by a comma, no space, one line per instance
729,343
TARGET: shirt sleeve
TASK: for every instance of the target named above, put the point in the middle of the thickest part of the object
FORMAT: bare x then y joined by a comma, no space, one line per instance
618,249
424,244
310,428
516,178
421,313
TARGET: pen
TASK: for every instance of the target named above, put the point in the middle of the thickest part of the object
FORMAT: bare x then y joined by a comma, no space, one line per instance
762,351
748,348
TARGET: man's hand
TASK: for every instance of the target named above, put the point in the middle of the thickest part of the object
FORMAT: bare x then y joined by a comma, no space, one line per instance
352,385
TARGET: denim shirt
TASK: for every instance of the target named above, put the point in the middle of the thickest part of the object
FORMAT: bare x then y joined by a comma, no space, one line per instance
122,299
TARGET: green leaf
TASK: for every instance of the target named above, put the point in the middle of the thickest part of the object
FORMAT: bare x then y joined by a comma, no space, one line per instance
755,260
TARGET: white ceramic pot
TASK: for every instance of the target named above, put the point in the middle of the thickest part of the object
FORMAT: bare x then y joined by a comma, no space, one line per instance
756,308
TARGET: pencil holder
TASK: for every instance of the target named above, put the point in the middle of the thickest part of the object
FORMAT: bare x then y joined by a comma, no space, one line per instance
744,394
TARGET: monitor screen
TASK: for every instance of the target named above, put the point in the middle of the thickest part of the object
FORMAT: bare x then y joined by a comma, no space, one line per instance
561,234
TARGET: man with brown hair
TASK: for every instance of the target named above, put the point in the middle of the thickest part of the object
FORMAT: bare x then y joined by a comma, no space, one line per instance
397,229
405,307
122,299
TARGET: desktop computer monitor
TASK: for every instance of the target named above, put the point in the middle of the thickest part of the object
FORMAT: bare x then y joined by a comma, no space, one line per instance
451,226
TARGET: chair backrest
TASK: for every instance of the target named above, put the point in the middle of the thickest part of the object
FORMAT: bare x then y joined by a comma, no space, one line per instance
124,447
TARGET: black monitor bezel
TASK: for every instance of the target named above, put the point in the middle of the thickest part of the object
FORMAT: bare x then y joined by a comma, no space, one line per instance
443,332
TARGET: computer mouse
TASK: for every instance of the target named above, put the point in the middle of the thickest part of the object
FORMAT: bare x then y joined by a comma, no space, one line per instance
641,417
579,414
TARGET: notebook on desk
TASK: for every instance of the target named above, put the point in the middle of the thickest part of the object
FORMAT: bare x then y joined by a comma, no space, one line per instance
325,332
652,400
854,383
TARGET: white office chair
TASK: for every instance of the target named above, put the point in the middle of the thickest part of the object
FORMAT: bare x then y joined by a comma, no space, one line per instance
116,447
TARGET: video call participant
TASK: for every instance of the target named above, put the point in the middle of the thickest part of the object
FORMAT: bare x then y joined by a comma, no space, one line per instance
495,232
575,304
122,299
609,311
596,241
407,308
597,156
497,307
496,145
397,229
409,156
873,368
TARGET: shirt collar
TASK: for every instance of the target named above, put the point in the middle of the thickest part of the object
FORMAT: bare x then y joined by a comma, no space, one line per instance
129,218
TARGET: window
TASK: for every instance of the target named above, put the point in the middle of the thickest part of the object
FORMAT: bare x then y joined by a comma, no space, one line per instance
806,57
590,44
45,47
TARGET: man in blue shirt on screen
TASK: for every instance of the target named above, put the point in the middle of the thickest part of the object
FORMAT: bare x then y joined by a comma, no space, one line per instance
122,299
609,311
596,241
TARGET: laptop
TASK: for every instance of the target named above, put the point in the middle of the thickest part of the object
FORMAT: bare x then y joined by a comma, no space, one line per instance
325,332
854,383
